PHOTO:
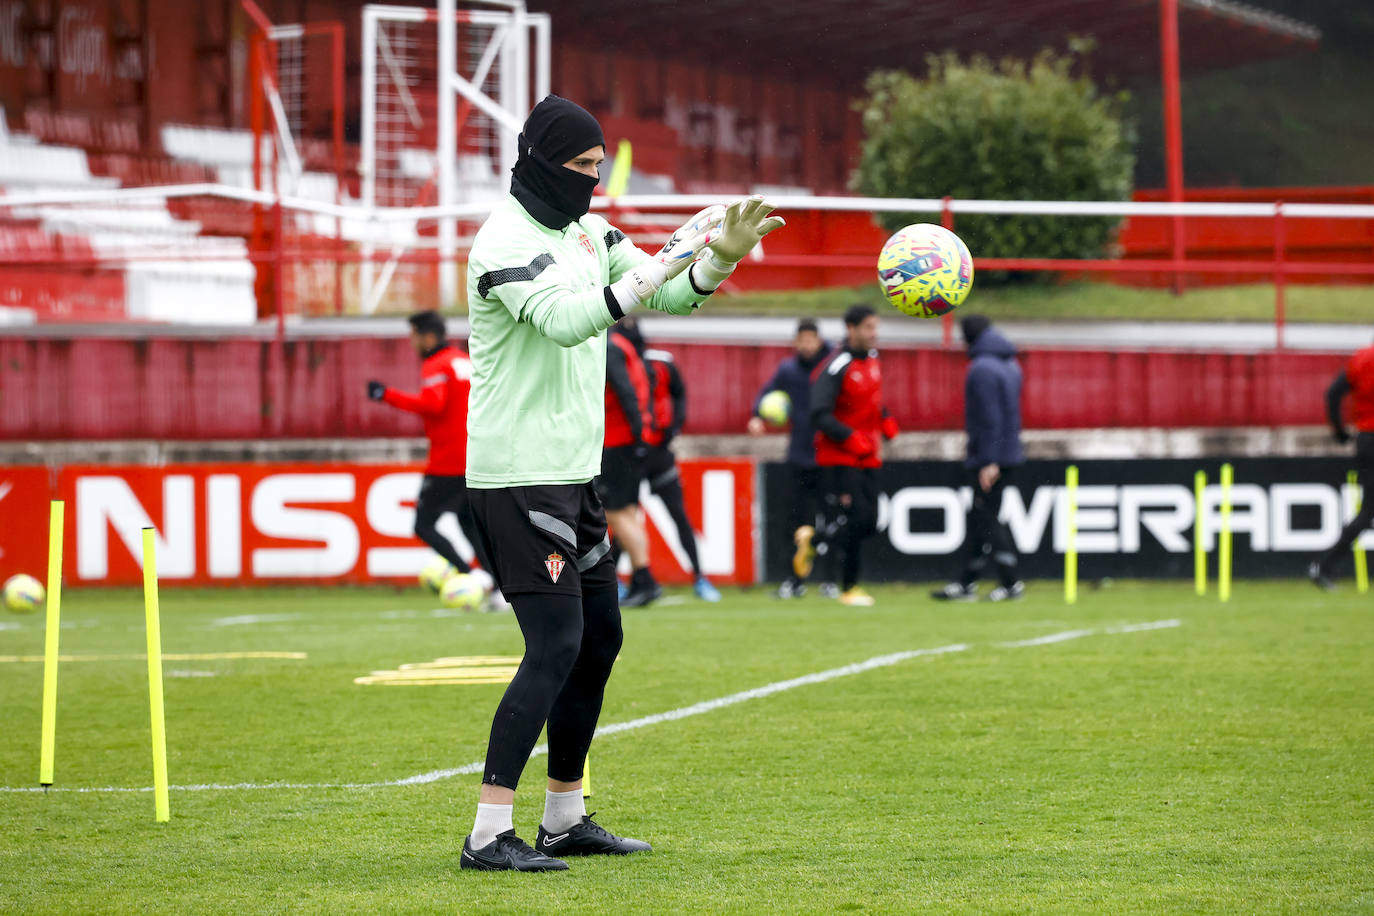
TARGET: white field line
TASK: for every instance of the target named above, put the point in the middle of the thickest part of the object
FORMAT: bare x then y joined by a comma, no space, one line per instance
1047,640
1067,635
1143,627
248,620
683,712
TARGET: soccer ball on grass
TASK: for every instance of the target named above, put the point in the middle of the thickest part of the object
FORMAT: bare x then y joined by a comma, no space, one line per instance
435,573
463,592
925,270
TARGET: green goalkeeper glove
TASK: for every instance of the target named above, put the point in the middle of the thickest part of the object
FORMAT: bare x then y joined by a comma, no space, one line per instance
644,279
746,223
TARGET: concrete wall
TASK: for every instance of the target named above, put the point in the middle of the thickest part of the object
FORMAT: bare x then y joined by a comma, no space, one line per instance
1298,441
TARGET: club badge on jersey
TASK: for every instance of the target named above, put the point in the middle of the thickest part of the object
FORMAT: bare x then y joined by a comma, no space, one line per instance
554,563
586,244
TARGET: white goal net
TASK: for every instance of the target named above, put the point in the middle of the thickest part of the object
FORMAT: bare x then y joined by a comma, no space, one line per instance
439,127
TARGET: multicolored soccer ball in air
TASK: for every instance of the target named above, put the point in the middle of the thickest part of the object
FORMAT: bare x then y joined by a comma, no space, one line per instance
23,594
925,270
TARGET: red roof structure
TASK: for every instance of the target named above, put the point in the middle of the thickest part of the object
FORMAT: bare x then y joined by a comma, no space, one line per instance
820,41
718,95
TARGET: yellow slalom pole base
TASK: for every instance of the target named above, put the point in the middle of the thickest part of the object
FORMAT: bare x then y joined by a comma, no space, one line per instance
154,628
56,520
1361,565
587,777
1071,545
1199,534
1224,544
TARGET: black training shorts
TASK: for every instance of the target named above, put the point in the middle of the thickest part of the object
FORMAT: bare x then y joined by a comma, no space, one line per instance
660,468
621,472
545,539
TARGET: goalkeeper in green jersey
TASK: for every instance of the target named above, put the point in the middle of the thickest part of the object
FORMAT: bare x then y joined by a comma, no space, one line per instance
545,280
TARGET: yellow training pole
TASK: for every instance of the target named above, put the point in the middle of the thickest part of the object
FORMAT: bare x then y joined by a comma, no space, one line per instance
1361,569
1224,544
587,777
1071,545
620,172
1199,540
154,628
56,516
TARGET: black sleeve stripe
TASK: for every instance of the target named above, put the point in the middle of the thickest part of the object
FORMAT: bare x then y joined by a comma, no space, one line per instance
512,274
703,293
612,305
614,238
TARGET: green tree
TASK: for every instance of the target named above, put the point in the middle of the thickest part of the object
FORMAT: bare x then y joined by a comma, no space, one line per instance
1011,130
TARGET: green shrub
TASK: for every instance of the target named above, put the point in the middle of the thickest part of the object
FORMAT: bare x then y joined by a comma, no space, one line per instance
1003,131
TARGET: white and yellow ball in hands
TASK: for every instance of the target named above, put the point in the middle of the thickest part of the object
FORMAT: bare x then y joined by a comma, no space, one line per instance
23,594
775,407
463,592
925,270
435,573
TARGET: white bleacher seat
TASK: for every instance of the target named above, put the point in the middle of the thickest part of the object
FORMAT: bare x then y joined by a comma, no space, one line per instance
29,166
204,292
209,145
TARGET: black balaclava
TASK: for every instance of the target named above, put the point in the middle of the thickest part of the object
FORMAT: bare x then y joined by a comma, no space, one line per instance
556,131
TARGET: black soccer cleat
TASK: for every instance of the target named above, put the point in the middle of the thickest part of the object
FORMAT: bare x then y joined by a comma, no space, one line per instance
642,594
956,591
1320,579
508,853
587,839
1011,592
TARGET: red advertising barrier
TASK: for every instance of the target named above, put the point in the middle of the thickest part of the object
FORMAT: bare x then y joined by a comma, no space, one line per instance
24,495
259,524
721,499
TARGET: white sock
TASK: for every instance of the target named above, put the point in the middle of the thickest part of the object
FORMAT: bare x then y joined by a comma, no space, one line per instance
563,810
491,820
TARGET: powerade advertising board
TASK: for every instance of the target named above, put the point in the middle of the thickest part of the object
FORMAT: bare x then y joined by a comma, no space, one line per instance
1136,518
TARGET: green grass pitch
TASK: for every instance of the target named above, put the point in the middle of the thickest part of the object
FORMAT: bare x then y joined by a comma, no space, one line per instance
1221,765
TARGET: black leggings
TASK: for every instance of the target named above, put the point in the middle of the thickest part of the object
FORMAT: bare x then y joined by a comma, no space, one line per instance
851,517
437,496
987,537
806,506
1364,467
570,646
665,482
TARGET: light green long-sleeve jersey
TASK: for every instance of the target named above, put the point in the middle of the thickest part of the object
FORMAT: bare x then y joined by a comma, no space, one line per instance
538,308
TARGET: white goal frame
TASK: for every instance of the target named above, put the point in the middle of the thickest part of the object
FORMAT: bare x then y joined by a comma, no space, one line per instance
518,39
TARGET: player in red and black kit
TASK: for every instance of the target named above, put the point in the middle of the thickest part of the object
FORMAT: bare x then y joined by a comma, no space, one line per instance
667,412
1356,380
622,462
443,406
851,422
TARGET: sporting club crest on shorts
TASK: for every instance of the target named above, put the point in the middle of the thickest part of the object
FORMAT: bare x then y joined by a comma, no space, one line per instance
554,563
